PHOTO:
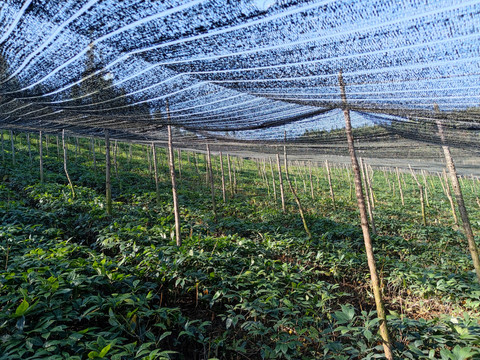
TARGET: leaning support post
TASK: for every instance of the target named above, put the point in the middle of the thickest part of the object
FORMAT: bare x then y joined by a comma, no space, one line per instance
29,148
171,164
223,179
108,187
212,185
332,194
387,343
292,190
457,190
155,168
364,172
280,180
40,153
3,148
400,186
273,180
64,145
13,147
230,174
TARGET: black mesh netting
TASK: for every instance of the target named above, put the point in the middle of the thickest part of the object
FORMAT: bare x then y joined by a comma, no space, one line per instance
243,71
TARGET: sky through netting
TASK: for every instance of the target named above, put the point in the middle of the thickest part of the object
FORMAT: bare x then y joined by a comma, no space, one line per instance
246,69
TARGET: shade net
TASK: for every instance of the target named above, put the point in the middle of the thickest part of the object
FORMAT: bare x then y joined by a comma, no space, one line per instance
245,72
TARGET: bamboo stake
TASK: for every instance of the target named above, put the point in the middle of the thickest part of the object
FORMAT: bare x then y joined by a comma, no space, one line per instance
212,185
311,182
171,163
58,147
449,196
459,196
3,148
108,187
46,144
224,194
40,151
149,162
230,174
426,187
13,147
282,194
364,171
29,148
64,145
332,194
387,343
292,190
400,186
155,168
94,155
115,162
369,184
179,156
422,201
273,180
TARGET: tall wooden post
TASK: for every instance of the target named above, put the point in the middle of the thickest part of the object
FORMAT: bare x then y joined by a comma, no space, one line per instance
332,194
212,185
65,158
40,151
297,200
94,156
273,180
155,169
230,174
223,179
171,164
364,172
400,186
280,180
13,147
108,187
387,343
29,148
179,156
457,190
3,148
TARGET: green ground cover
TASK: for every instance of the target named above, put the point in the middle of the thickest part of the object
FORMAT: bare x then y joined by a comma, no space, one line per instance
78,284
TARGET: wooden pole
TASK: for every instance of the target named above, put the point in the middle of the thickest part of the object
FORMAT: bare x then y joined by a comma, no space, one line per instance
171,163
332,194
273,180
179,156
364,172
387,343
94,155
64,145
108,187
400,186
422,201
13,147
149,162
280,180
449,196
212,184
40,151
311,182
3,148
58,148
230,174
292,190
29,148
457,190
224,195
155,168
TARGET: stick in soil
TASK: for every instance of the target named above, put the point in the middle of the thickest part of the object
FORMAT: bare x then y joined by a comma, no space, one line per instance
65,163
387,343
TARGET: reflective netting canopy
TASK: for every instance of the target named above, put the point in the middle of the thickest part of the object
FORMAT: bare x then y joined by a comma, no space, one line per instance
246,69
